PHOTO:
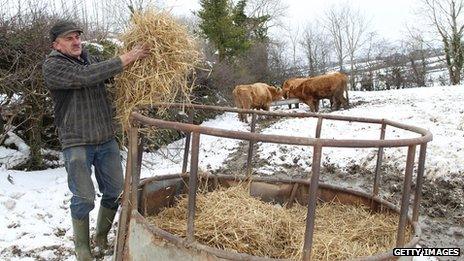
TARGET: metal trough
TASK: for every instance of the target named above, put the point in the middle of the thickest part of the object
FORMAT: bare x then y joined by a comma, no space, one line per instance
138,240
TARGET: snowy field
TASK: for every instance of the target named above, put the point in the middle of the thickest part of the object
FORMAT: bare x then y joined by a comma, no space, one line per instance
35,221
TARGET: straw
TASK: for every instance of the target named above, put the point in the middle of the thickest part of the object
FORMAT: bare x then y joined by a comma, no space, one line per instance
230,219
163,75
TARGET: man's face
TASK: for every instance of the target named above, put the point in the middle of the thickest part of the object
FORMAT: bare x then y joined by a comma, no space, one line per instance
69,44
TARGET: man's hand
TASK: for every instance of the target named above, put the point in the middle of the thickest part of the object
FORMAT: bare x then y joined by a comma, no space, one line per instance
138,52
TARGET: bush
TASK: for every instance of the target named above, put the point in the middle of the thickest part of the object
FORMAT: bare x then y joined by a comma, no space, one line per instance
24,47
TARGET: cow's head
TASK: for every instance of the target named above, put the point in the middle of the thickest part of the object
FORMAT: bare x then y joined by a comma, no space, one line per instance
275,93
285,89
288,88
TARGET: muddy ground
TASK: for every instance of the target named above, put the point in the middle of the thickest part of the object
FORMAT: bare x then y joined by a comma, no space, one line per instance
441,213
442,206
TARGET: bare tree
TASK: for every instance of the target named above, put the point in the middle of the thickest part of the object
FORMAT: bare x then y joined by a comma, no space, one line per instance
417,52
262,15
309,44
395,62
367,79
26,106
275,9
446,17
4,8
278,63
335,22
293,34
114,15
346,26
356,25
316,47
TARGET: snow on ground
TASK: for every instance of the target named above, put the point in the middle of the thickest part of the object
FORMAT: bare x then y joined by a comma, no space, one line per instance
9,157
436,109
34,214
213,150
34,210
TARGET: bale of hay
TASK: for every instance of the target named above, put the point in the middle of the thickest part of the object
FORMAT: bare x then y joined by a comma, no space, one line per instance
230,219
163,75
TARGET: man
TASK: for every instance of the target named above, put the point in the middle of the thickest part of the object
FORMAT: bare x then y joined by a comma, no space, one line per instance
83,117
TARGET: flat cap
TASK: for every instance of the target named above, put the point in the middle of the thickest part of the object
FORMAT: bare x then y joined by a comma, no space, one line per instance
63,27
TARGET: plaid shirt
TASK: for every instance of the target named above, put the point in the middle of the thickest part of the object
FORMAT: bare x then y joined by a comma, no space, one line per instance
83,113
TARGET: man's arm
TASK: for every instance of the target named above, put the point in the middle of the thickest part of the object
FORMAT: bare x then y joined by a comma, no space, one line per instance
60,73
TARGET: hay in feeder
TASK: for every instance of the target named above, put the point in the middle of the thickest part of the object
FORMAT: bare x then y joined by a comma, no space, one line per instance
163,75
230,219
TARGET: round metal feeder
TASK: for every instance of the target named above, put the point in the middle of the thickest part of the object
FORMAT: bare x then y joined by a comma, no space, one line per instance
139,240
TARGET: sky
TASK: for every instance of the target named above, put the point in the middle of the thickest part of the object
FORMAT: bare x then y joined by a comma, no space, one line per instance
388,18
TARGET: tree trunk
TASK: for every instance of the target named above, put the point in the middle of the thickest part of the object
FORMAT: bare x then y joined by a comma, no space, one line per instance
34,134
352,80
456,79
35,137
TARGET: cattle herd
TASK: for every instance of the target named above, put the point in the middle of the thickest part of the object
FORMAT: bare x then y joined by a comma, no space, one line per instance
309,90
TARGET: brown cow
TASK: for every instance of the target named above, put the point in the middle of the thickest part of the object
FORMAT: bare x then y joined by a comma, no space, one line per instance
329,86
255,96
290,84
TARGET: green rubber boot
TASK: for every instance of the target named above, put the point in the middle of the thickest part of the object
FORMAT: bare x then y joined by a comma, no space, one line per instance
104,223
81,239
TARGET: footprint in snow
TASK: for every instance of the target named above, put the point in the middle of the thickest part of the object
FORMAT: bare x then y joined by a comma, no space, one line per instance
9,204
